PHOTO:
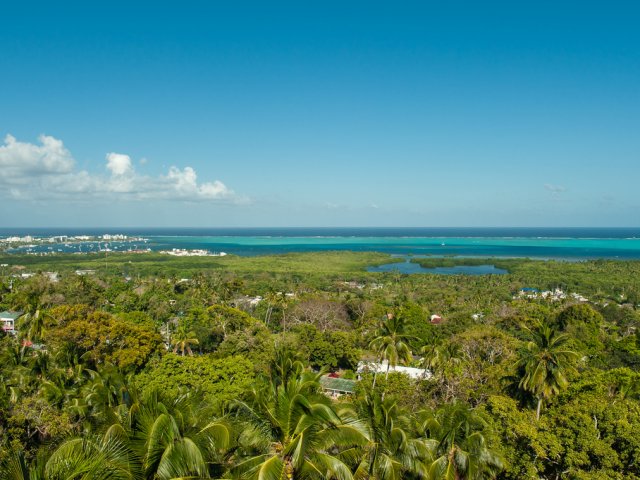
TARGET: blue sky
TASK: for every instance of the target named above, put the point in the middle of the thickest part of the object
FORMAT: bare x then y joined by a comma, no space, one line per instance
320,114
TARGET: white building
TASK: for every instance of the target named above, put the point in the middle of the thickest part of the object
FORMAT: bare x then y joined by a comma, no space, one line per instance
372,367
8,321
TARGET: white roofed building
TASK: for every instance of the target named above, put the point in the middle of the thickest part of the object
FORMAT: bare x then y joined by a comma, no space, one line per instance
372,367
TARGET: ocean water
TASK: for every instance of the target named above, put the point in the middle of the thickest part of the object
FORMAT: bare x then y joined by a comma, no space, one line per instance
564,243
410,267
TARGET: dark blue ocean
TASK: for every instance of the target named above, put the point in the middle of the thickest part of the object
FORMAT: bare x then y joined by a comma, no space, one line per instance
564,243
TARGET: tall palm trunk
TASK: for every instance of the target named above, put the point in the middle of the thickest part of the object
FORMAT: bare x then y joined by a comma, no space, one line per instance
267,317
284,320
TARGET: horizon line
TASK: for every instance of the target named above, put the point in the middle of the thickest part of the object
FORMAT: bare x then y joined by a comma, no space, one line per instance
319,227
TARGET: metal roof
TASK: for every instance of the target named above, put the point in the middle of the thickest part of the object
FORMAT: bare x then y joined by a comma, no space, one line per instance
342,385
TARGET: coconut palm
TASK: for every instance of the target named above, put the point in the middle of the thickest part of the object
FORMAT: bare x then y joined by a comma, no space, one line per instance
544,363
390,343
430,355
282,302
183,338
444,362
180,438
271,298
151,439
284,366
29,301
291,431
103,457
439,358
19,380
393,451
447,357
32,324
99,398
200,290
15,467
461,444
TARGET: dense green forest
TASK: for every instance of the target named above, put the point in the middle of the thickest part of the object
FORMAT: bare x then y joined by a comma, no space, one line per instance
156,367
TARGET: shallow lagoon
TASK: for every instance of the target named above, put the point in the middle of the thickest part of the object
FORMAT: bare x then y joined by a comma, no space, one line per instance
543,243
411,267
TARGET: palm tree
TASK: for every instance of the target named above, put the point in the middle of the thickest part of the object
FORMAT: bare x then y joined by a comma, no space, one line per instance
180,438
293,432
544,363
20,380
15,467
97,457
284,366
430,355
390,343
103,393
201,290
393,451
461,444
32,324
29,301
271,298
147,438
283,302
443,361
183,338
104,457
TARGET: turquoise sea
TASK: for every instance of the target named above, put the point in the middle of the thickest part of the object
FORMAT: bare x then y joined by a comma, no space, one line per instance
561,243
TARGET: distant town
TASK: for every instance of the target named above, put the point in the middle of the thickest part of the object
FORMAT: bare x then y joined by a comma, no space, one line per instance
30,239
50,245
84,244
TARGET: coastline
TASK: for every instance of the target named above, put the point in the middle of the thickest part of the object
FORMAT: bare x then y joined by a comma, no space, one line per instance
604,245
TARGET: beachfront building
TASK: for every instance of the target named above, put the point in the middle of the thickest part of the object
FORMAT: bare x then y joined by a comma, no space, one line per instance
8,321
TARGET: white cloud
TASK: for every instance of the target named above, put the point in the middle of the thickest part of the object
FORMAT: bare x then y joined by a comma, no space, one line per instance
47,171
185,185
119,164
19,161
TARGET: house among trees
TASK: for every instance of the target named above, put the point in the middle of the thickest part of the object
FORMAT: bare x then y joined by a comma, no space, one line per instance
85,272
8,321
382,367
336,387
